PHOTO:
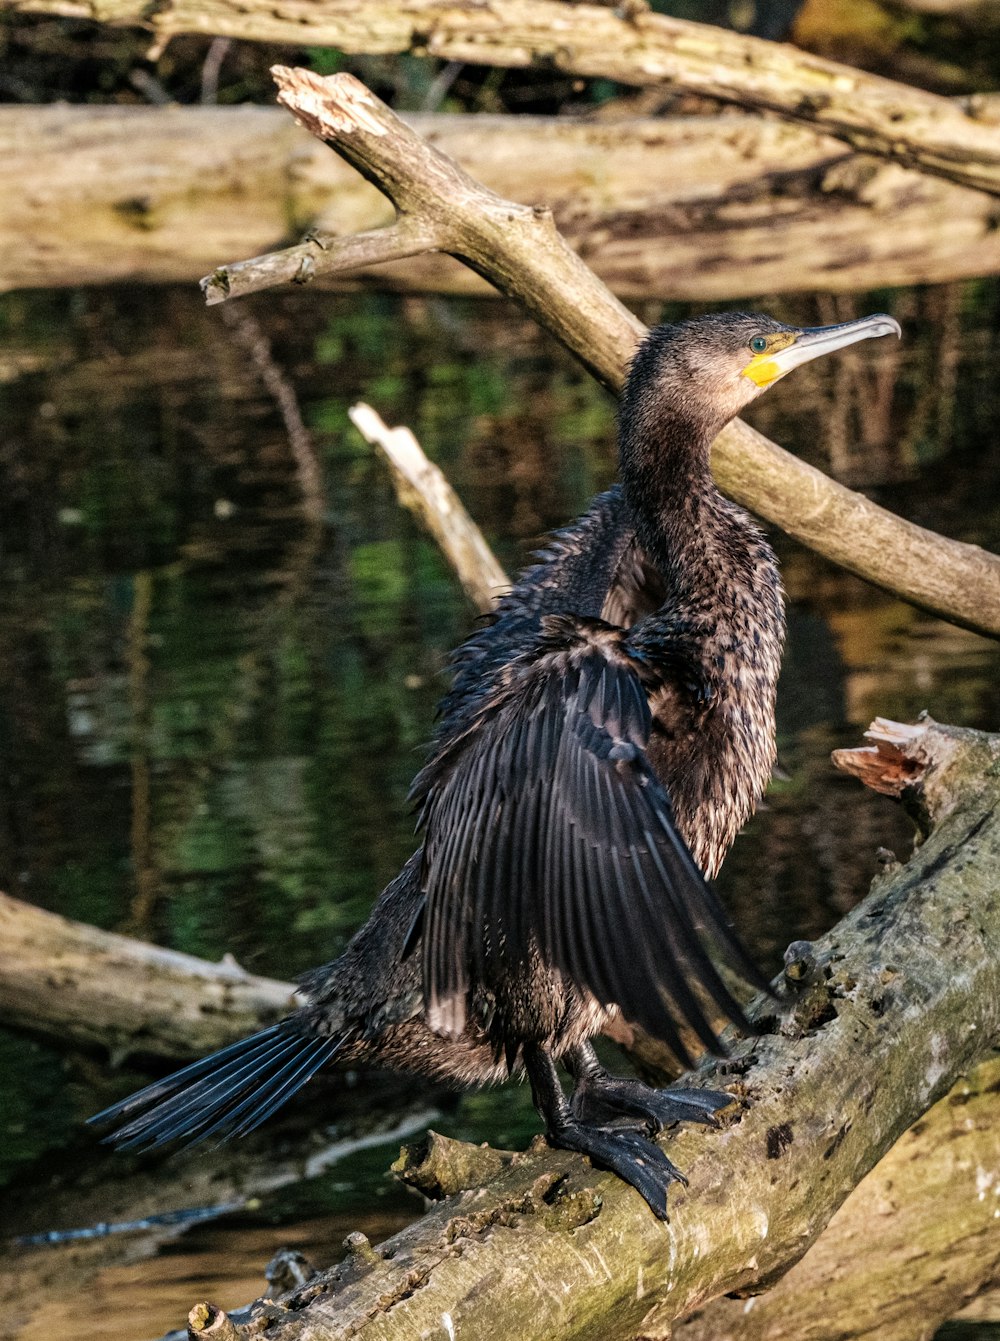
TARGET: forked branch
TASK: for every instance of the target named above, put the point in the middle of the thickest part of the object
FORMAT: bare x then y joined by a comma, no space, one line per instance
519,250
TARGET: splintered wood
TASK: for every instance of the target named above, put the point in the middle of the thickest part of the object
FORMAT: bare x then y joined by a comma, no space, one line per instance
891,763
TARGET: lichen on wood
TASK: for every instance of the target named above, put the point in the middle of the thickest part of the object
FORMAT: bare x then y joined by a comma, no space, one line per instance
903,1000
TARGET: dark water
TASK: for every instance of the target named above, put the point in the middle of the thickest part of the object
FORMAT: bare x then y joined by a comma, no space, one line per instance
221,642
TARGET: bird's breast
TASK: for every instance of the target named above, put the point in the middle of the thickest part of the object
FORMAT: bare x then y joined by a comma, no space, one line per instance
715,757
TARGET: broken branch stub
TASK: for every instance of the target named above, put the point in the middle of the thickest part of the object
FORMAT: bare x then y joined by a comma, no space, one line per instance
421,487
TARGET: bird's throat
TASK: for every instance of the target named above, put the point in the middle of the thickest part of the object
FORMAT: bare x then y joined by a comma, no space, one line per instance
667,481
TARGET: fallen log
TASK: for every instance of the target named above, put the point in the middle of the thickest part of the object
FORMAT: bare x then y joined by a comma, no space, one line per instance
892,1007
958,139
694,208
65,980
933,1199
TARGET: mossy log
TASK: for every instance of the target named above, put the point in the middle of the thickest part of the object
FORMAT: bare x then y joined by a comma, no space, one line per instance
893,1007
912,1244
696,208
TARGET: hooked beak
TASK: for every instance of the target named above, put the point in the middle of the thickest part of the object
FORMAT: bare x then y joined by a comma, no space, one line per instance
808,344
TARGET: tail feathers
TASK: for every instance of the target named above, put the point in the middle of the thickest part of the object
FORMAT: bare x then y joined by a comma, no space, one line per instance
224,1095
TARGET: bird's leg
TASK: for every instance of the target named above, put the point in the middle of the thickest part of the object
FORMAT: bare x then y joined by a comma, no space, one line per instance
598,1095
636,1159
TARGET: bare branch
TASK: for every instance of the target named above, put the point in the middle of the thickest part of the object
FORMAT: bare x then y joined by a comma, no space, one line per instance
423,488
489,233
522,253
958,139
322,254
930,1189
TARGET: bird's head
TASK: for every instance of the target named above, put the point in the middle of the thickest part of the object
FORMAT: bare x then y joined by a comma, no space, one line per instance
704,371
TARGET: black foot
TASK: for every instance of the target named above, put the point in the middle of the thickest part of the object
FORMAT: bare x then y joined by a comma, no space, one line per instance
633,1157
630,1154
599,1096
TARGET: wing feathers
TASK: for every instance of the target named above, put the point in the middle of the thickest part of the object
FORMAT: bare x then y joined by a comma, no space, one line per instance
547,830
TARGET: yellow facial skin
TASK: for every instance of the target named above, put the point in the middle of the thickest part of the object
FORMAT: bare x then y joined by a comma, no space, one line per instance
762,369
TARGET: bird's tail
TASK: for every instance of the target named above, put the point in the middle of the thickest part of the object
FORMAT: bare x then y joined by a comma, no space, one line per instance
224,1095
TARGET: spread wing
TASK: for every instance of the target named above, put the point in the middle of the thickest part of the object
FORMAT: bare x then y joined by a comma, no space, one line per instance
547,831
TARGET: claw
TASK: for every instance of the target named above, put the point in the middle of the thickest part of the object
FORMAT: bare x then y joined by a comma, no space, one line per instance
636,1159
599,1096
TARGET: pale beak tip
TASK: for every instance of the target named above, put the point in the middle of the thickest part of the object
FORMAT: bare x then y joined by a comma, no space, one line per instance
890,324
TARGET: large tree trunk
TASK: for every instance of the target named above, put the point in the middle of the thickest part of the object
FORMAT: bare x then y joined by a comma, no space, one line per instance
694,208
893,1006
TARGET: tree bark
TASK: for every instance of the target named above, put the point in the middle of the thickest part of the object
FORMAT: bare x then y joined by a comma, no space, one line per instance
894,1005
930,1206
69,981
959,139
695,208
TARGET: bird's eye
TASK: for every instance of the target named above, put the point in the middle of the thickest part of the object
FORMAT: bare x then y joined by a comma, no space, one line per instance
758,344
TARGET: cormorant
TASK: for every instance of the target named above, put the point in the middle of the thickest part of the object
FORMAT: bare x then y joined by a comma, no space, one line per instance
606,735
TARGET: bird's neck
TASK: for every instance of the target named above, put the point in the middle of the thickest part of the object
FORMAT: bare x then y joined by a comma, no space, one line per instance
668,484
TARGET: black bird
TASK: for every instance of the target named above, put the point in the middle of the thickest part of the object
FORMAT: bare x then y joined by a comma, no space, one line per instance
606,735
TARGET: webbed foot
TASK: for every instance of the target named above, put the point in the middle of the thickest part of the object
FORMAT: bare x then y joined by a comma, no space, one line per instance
600,1097
636,1159
616,1096
629,1153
